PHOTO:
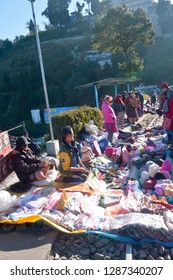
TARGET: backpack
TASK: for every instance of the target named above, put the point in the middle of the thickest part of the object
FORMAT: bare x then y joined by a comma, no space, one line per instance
133,102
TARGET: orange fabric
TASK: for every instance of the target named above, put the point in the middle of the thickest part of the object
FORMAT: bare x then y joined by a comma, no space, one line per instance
83,188
116,210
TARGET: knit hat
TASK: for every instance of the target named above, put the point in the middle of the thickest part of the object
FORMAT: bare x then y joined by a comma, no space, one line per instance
21,141
107,97
164,84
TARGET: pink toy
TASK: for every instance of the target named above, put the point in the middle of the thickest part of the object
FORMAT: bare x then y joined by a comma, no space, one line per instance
166,174
166,165
159,190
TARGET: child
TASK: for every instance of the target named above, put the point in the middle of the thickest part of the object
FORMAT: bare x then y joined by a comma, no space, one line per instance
71,166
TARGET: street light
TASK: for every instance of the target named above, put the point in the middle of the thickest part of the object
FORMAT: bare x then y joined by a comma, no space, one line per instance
42,69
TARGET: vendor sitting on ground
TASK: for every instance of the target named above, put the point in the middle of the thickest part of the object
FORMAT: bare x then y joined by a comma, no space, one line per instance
28,167
71,166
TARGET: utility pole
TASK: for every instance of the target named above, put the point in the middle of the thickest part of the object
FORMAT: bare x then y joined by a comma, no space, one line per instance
42,69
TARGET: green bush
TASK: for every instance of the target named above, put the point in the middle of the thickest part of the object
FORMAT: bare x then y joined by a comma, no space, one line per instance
77,119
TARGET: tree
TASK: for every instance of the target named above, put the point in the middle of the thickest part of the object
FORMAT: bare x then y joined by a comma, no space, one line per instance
120,31
57,12
100,7
79,10
97,7
165,13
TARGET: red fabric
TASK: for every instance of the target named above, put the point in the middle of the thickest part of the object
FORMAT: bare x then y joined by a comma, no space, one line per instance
111,127
170,113
118,98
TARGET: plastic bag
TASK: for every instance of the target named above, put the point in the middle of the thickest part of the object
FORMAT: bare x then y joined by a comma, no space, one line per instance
91,128
6,200
125,155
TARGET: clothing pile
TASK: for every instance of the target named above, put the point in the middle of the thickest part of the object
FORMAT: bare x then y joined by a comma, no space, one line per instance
129,192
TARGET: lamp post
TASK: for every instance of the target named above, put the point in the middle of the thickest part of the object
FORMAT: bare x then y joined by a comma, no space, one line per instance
42,69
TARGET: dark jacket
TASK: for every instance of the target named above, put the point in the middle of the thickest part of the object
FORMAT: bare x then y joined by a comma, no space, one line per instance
25,163
118,107
163,96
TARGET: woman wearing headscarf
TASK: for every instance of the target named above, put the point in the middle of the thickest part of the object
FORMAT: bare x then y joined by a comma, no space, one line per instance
119,109
131,108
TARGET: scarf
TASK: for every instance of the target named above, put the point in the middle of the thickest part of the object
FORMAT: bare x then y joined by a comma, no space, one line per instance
71,146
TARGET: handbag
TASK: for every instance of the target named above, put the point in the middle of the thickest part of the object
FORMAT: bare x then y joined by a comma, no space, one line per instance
166,123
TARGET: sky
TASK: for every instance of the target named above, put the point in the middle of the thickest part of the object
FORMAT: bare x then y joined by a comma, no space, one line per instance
16,13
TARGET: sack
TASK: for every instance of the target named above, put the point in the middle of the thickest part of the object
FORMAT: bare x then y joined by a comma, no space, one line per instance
133,102
125,155
166,123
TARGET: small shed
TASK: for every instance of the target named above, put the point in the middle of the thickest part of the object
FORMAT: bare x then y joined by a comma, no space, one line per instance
108,82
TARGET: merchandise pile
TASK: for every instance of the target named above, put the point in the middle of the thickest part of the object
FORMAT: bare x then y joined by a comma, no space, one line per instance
128,194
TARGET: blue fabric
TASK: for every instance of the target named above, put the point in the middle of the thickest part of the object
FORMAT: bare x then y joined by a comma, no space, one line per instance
103,143
130,240
75,160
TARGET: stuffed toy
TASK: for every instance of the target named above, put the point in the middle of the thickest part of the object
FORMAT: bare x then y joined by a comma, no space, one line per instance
148,163
149,184
166,166
152,170
159,188
166,174
147,179
144,176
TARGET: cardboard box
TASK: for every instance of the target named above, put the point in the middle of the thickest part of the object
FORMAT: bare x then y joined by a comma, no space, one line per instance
5,146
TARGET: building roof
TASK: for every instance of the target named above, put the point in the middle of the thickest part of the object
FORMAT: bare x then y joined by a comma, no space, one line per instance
109,81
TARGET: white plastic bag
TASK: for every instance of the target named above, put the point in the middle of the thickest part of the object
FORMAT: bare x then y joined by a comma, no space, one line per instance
6,200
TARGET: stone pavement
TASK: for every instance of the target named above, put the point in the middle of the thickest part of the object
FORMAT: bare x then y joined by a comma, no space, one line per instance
27,243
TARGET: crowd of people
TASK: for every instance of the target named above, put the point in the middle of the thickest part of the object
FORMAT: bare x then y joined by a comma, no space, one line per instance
129,106
124,107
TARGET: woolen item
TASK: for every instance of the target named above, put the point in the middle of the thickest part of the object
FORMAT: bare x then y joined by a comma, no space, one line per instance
21,141
164,84
107,96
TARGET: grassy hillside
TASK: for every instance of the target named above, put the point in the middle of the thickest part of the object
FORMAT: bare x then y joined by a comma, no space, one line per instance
21,87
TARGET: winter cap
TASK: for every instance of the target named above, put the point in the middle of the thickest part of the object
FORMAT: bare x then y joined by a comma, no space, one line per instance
107,96
118,98
21,141
164,84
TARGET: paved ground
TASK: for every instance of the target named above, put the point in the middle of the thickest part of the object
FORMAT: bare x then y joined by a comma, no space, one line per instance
21,245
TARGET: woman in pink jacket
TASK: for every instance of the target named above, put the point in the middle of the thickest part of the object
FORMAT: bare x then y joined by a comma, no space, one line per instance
110,119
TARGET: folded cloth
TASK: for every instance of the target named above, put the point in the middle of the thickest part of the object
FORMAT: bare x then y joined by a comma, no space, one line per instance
83,188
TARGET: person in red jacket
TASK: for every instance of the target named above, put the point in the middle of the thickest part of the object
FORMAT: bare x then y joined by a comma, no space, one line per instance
131,108
169,115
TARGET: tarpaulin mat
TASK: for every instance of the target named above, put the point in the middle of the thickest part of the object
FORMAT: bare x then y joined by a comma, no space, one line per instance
79,208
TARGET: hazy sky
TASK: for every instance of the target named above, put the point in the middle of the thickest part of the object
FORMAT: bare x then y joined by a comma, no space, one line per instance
16,13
